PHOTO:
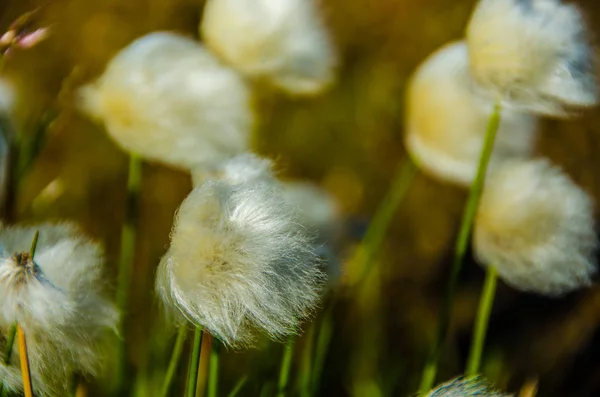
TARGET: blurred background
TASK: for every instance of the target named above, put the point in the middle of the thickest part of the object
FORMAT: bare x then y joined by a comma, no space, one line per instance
349,142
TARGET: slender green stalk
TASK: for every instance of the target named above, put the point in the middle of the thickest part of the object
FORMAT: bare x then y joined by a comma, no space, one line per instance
484,312
128,238
286,365
194,363
177,349
382,219
322,346
305,372
431,366
238,387
213,369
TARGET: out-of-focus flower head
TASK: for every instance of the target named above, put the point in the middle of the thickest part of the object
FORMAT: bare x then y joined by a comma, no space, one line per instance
536,227
462,387
57,299
240,263
22,34
168,99
283,41
532,54
446,119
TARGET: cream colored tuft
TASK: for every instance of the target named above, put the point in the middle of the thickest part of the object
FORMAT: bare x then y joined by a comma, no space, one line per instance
462,387
239,263
283,41
536,227
58,301
166,98
446,119
532,54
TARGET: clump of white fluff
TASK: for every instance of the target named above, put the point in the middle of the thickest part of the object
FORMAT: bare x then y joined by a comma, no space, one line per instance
57,299
536,227
283,41
446,119
240,263
240,169
166,98
463,387
532,54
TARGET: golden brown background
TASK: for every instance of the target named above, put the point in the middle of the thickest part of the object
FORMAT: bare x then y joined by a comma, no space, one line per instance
349,141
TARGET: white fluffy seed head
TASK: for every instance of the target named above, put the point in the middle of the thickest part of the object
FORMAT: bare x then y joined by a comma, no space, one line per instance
462,387
57,298
240,169
166,98
283,41
239,263
532,54
446,119
536,227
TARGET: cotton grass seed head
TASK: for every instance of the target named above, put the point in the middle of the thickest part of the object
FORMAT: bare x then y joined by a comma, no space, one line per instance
532,54
283,41
446,119
168,99
239,263
462,387
535,226
57,299
240,169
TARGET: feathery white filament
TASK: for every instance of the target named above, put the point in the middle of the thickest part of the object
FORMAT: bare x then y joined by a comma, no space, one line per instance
166,98
240,263
240,169
446,119
57,300
462,387
532,54
283,41
536,227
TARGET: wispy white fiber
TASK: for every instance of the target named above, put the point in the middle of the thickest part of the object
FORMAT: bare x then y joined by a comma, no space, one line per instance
532,54
239,169
240,263
284,41
462,387
58,301
446,119
536,227
166,98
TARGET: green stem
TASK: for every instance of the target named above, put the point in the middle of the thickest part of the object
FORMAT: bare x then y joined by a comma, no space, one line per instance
322,346
238,387
484,312
286,365
431,366
128,238
213,369
306,362
382,219
177,349
194,363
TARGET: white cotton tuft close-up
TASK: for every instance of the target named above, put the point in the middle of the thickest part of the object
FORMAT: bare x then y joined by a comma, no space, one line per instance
239,169
532,54
462,387
283,41
57,299
168,99
536,227
240,263
446,120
